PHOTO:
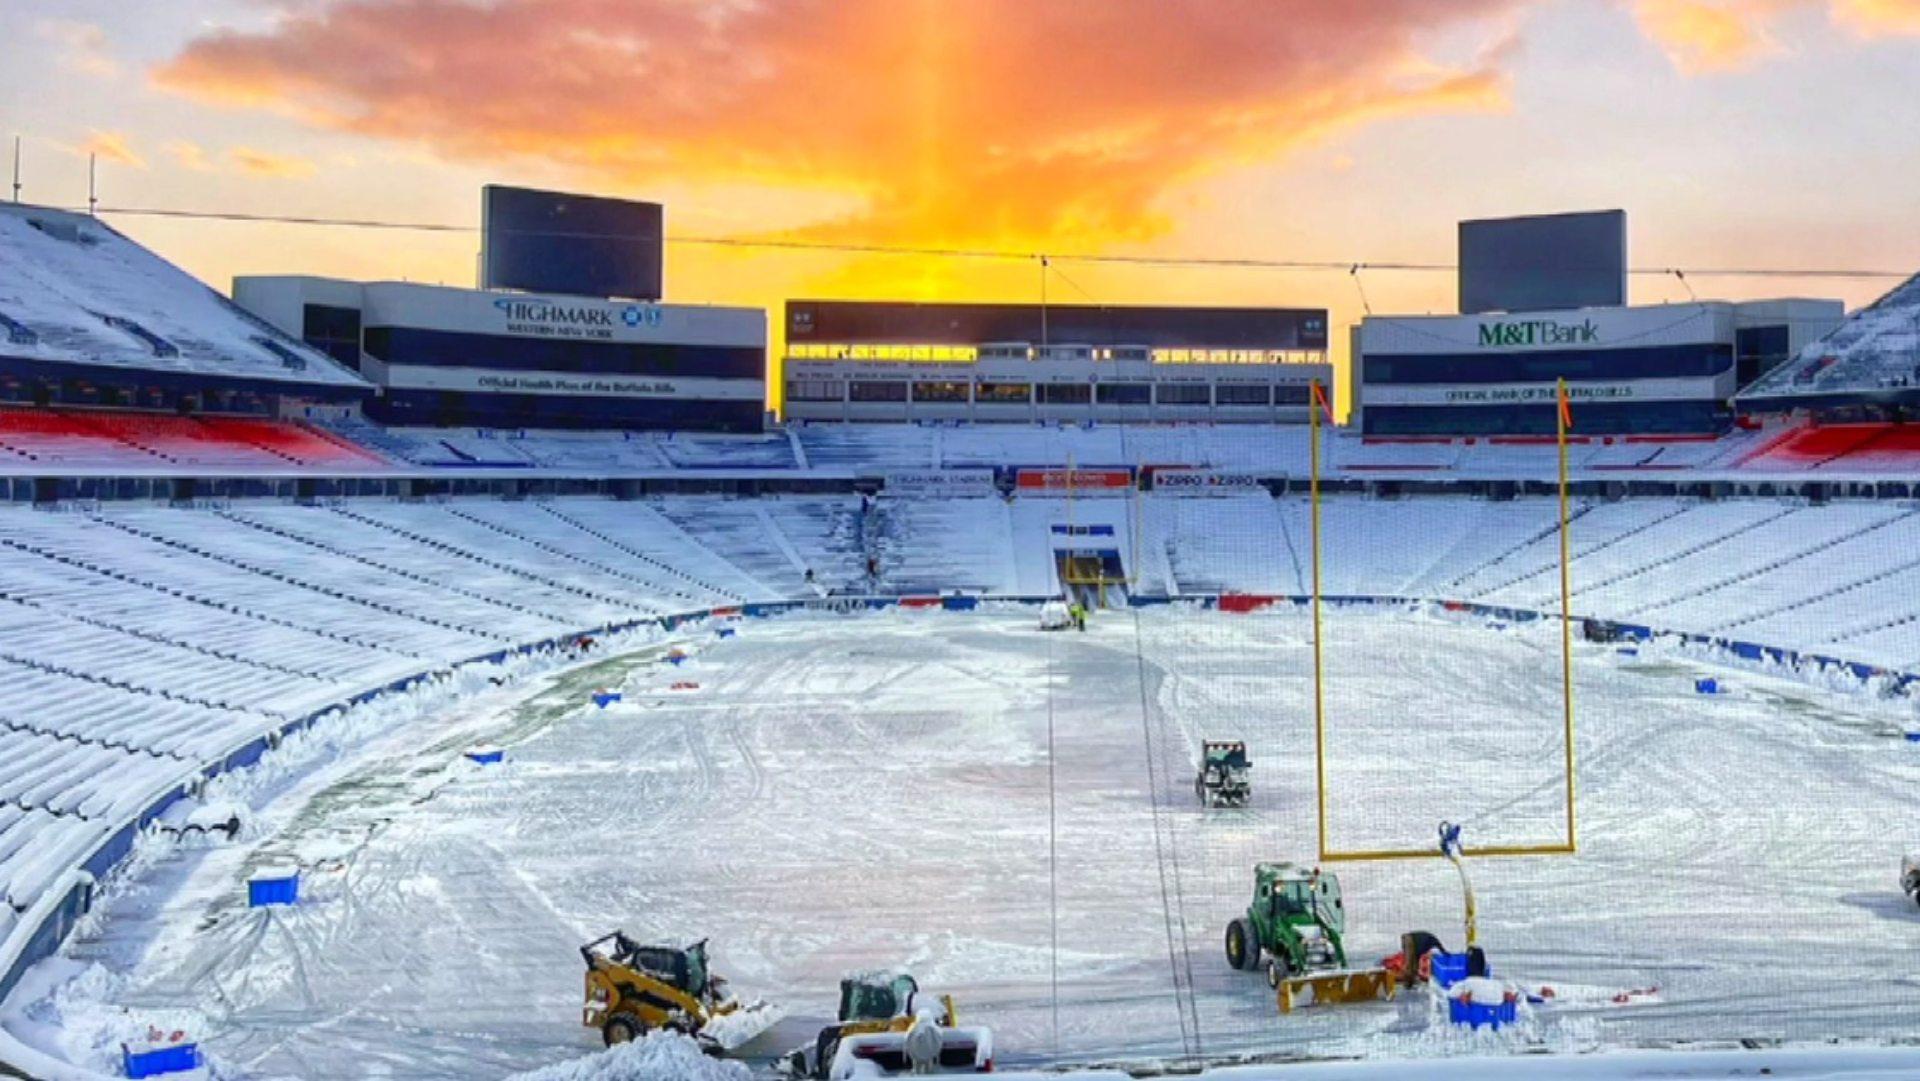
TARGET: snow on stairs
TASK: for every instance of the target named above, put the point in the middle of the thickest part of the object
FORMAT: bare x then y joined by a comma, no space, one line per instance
290,578
432,580
779,538
655,591
1229,544
731,530
1580,545
926,545
1641,569
572,516
431,527
191,596
1771,567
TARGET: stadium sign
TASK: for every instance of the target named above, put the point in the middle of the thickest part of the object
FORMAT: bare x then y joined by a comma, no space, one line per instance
534,317
490,381
968,483
1708,388
1516,332
1203,482
1075,481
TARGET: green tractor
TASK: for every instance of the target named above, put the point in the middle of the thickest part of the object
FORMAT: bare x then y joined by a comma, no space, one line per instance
1296,920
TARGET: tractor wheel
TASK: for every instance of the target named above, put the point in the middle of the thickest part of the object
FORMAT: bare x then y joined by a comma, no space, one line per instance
622,1028
1277,971
1242,954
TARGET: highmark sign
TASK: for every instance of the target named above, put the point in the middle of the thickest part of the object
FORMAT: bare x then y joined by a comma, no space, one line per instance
554,319
1511,332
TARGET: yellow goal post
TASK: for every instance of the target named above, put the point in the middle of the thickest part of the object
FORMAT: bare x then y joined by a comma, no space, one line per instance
1564,846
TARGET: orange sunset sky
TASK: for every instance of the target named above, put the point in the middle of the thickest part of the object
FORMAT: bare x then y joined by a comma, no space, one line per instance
1773,133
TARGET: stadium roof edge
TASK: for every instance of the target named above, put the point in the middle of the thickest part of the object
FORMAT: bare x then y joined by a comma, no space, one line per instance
206,352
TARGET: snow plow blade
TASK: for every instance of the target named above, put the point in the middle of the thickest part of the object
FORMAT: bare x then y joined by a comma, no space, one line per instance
1330,988
730,1030
967,1049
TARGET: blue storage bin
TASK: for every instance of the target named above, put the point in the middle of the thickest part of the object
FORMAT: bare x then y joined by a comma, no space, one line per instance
1706,686
676,659
725,632
1913,737
486,756
276,885
603,699
1474,1014
1628,651
153,1062
1448,968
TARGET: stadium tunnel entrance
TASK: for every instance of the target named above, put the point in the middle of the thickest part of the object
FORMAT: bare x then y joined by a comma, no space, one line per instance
1096,577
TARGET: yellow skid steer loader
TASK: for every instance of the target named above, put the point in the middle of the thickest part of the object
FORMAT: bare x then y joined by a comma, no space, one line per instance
633,989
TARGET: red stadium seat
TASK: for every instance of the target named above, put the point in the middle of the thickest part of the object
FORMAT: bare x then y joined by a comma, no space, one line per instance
1840,447
107,439
299,442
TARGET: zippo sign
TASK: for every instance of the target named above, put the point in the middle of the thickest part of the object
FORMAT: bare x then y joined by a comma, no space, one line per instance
1077,481
1203,482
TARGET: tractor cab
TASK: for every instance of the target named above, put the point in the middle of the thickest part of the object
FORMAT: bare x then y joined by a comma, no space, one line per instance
685,970
1297,896
877,997
1226,754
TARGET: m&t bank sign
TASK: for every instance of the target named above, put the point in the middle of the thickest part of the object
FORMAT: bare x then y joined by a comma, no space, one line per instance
1511,332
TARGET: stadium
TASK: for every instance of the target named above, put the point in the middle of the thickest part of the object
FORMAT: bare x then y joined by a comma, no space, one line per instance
339,716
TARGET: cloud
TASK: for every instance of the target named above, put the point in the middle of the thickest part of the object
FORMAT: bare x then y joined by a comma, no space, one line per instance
109,146
1878,18
989,120
263,163
83,46
1701,36
189,155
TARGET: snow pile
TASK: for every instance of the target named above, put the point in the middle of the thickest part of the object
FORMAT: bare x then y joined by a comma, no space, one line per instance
1425,1031
83,1023
657,1056
1887,686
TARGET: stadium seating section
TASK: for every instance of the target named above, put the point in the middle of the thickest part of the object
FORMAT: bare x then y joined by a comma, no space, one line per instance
895,448
48,439
74,291
1875,352
1867,448
40,439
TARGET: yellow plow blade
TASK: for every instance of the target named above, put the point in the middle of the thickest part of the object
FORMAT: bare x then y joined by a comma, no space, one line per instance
1329,988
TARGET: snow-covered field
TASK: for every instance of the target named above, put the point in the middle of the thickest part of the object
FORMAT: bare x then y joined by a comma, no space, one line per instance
877,790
